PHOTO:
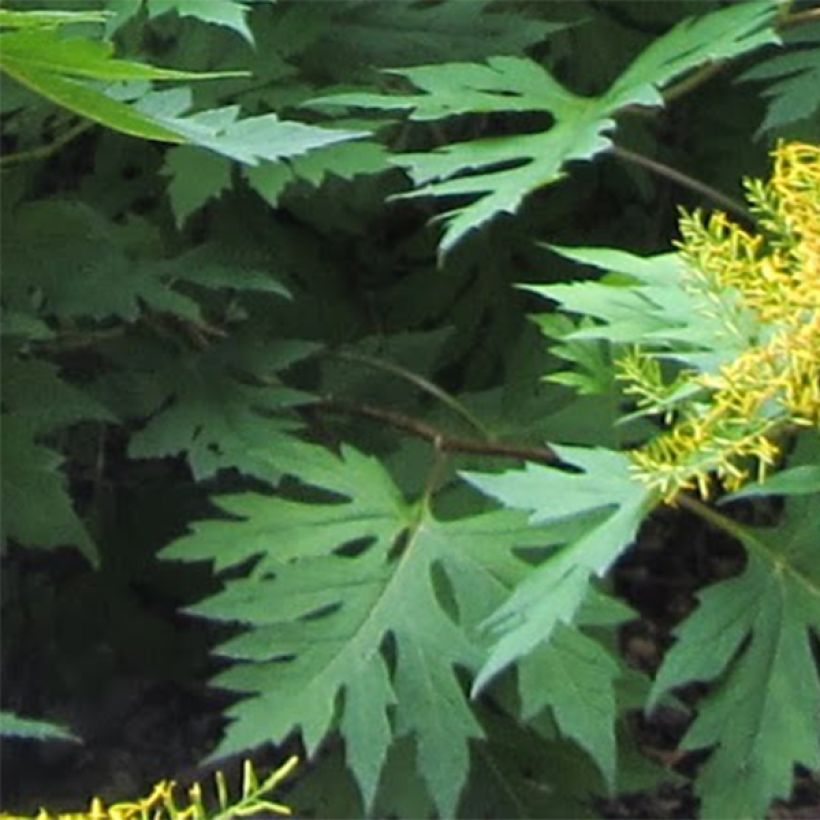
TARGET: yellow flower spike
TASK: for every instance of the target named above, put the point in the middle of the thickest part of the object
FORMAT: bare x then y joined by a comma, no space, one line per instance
774,278
160,803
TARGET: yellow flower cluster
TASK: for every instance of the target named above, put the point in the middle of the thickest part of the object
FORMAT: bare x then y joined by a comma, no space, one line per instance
161,803
774,277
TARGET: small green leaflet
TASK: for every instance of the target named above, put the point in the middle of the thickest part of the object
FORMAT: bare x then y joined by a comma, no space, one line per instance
32,483
219,407
320,617
404,32
764,712
250,140
651,308
795,79
79,263
229,13
212,266
529,161
504,782
801,480
345,160
574,675
592,366
31,477
12,725
606,506
198,176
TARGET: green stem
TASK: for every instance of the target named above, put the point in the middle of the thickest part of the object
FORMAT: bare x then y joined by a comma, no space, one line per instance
45,151
434,473
419,381
718,520
779,561
685,180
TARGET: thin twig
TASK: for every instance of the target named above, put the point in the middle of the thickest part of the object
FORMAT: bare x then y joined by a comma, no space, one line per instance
780,560
419,381
438,438
711,516
800,18
696,78
45,151
685,180
712,69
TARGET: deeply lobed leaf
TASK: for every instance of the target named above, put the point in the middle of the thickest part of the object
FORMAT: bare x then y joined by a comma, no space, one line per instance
495,174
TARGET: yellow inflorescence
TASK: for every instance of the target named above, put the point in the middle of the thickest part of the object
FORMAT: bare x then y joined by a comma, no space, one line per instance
161,803
775,277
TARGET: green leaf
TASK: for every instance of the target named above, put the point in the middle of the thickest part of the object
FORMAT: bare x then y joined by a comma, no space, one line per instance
344,160
40,18
794,96
405,33
652,308
574,675
592,372
12,725
229,13
219,407
90,103
322,619
25,384
519,773
196,177
763,715
719,35
37,510
81,264
495,174
214,267
57,68
253,139
604,506
46,52
802,480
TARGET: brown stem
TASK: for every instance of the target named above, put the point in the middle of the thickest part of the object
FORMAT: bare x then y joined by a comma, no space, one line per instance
438,438
687,84
706,72
685,180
